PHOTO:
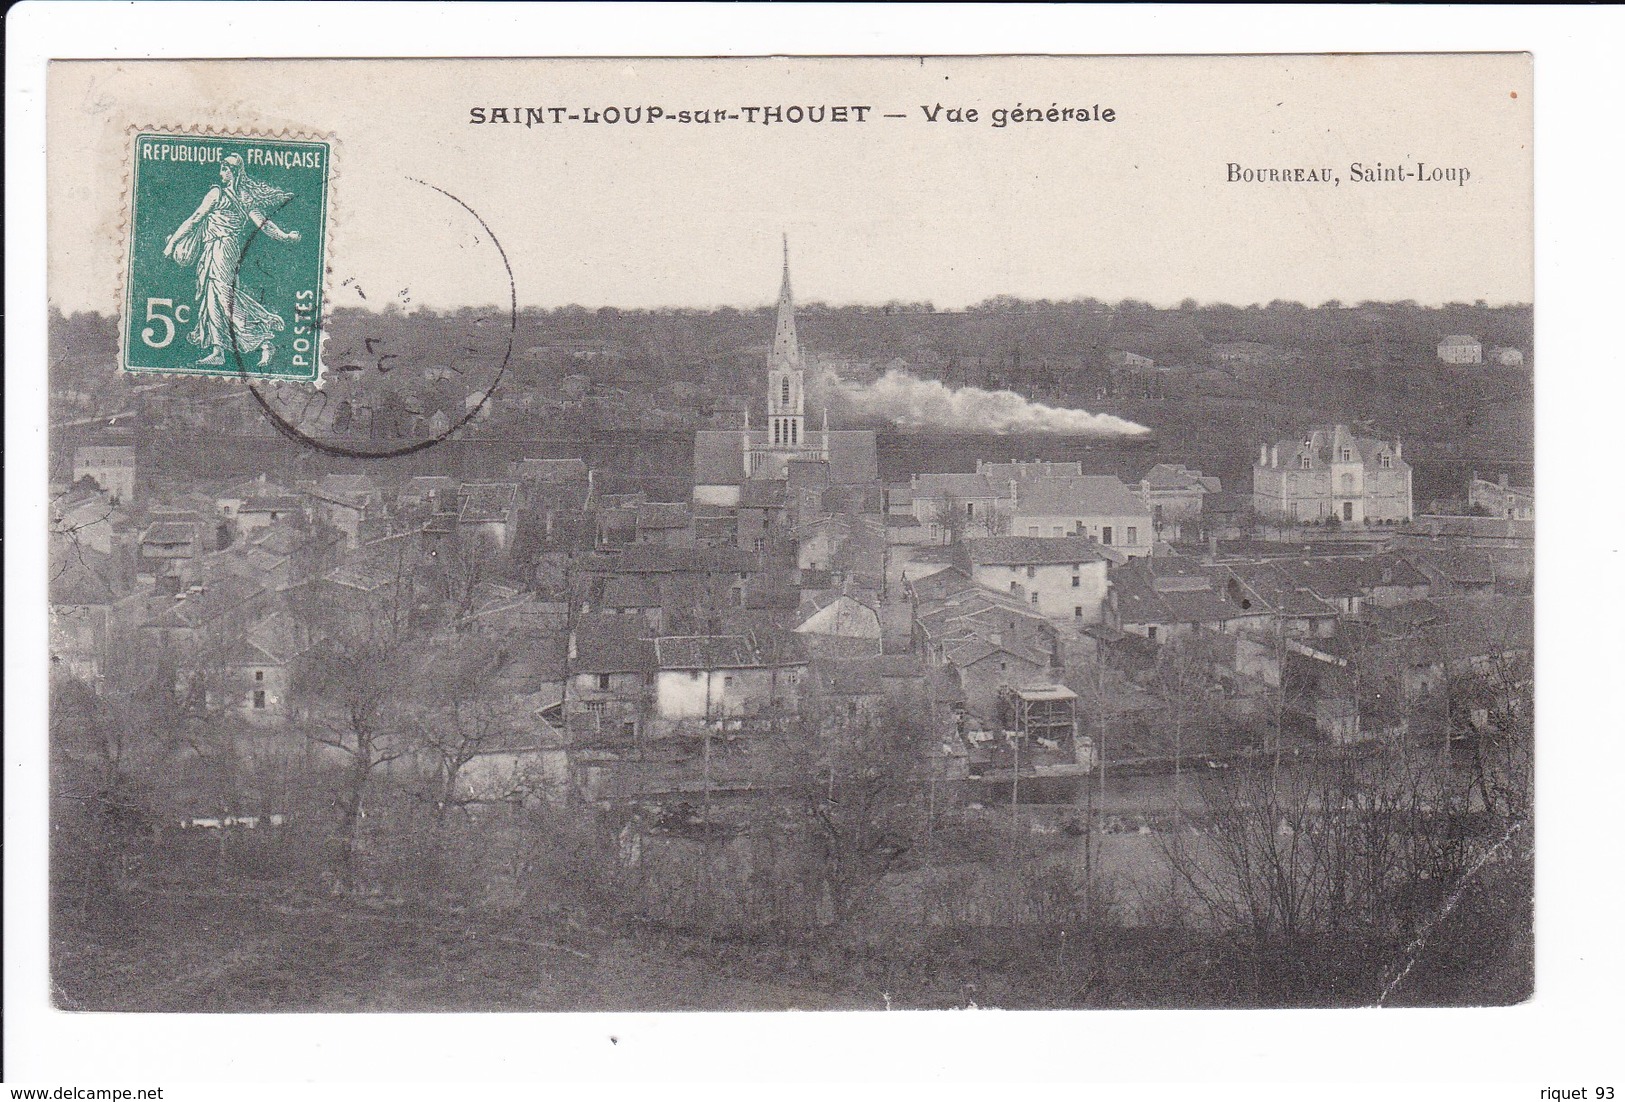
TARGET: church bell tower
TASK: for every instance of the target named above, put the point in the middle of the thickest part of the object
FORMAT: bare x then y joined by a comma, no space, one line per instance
786,400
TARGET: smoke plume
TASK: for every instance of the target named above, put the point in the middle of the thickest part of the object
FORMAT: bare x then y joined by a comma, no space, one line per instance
912,402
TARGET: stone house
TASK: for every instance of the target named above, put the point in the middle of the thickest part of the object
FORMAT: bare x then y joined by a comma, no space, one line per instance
1331,473
1061,579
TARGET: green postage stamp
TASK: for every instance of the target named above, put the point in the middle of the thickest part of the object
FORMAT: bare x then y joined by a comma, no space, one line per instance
226,256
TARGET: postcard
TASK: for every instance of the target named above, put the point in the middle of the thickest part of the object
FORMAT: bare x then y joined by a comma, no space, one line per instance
865,533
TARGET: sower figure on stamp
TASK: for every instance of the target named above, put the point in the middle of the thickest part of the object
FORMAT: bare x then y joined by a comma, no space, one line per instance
212,238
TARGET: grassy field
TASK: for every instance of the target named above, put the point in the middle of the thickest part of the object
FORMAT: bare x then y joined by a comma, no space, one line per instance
212,953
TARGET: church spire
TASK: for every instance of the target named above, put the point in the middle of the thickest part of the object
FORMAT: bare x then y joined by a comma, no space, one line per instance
784,332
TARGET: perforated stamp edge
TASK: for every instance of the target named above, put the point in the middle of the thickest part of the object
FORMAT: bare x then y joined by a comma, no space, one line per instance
126,228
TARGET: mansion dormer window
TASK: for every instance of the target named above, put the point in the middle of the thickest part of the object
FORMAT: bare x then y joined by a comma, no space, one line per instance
1386,460
1348,454
1306,462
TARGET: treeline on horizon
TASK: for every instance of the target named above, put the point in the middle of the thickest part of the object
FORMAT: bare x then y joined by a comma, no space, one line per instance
1004,329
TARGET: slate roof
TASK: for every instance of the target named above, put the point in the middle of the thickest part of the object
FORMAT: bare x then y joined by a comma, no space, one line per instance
705,652
762,494
1085,495
654,558
1140,599
279,504
549,470
215,600
965,487
1025,469
1279,592
1030,551
427,485
483,502
82,579
1323,444
280,637
611,644
169,533
346,488
630,591
1460,565
280,540
1176,476
663,515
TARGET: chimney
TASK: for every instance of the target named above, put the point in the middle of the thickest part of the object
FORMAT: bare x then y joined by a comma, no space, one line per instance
1503,480
1014,499
1263,455
1275,455
1399,449
1212,548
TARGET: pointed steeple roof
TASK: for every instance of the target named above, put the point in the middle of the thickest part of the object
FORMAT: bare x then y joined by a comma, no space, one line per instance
784,333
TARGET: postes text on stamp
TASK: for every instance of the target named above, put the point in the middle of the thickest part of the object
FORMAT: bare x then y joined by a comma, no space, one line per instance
226,256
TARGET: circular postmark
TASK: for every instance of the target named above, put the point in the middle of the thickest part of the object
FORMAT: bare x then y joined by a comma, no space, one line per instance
421,359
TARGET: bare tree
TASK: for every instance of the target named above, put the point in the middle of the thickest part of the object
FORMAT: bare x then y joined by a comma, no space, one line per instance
951,513
356,684
860,785
460,715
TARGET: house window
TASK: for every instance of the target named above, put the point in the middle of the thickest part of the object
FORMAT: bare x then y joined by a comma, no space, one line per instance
1032,572
1077,581
595,708
1015,587
629,729
1304,462
259,675
259,699
1386,460
727,681
1034,597
1348,510
1151,633
1348,484
1077,612
1106,534
1004,667
759,544
1133,536
1348,454
970,510
603,682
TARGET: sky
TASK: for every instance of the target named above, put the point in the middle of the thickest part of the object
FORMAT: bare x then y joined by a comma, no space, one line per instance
667,214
